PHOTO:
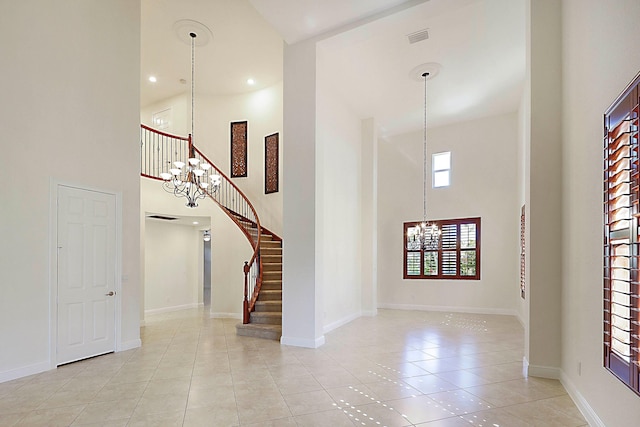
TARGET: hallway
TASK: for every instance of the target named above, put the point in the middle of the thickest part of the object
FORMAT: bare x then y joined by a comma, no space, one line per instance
400,368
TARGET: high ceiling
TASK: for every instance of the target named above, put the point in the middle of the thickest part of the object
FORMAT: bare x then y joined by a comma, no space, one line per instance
364,54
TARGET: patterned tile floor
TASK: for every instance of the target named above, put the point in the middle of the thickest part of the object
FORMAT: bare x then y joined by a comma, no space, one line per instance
400,368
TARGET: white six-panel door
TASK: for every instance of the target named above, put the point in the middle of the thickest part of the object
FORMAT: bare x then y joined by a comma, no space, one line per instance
86,273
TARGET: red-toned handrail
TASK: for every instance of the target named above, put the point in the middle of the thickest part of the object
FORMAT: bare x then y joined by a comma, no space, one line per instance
160,149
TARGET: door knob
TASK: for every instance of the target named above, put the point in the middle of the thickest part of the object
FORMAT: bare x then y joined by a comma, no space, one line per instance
110,294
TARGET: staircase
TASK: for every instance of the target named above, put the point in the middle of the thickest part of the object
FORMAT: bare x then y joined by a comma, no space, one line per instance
262,305
266,319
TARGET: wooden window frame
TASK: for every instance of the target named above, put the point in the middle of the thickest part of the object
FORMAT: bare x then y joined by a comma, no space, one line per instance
458,251
621,226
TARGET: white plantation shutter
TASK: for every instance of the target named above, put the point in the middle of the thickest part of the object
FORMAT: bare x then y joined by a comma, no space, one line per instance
621,238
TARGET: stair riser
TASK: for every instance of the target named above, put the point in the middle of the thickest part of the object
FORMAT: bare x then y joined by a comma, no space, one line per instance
269,307
261,320
272,259
271,286
268,295
270,335
270,244
271,251
271,267
272,275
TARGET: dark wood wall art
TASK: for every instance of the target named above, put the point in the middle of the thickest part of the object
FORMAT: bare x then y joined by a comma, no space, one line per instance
271,157
239,149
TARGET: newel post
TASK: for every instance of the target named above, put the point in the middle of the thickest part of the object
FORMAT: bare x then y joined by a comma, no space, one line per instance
245,303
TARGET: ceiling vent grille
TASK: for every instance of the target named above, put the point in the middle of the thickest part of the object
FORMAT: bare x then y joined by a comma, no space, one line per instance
418,36
162,217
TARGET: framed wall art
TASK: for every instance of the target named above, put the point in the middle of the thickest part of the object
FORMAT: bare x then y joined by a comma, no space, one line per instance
271,159
239,149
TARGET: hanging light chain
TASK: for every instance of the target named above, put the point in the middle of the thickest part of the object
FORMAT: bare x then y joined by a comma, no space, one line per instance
424,165
193,67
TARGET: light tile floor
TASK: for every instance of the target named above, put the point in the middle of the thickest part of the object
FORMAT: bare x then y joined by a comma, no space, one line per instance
400,368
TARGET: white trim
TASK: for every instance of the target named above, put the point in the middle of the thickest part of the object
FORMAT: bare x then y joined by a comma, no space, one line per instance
217,315
302,342
549,372
520,319
128,345
583,406
174,308
341,322
25,371
470,310
118,273
54,185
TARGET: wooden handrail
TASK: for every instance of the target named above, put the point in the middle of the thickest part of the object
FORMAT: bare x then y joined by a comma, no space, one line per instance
152,130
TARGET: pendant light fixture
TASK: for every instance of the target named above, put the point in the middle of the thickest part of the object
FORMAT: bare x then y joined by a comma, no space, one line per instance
190,179
428,233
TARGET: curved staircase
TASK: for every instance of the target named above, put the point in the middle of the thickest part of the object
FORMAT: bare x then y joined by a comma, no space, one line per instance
262,305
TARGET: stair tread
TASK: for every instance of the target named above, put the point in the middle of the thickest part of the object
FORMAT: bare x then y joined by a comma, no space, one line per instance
268,302
266,314
259,326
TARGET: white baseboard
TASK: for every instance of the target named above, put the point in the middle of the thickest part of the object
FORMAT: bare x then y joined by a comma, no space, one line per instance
218,315
174,308
454,309
587,411
544,372
335,325
24,371
131,344
302,342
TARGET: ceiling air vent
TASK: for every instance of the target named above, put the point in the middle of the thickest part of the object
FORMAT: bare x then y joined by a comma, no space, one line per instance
164,218
418,36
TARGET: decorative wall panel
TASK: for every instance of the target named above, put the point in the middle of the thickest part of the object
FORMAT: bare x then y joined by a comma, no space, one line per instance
271,158
238,149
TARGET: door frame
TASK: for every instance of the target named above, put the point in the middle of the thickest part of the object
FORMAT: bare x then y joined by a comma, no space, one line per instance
55,184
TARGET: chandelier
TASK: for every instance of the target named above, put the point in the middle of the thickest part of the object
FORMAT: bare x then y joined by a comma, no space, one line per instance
427,233
191,179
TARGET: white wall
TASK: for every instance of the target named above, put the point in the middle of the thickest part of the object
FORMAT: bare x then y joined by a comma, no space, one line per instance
543,189
483,183
338,212
263,111
523,168
171,266
180,120
302,305
600,57
70,112
229,247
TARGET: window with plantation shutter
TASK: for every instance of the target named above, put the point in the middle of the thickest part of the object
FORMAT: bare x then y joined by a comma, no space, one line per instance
621,238
456,257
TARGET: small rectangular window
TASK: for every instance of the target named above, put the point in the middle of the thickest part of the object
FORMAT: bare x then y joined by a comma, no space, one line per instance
441,169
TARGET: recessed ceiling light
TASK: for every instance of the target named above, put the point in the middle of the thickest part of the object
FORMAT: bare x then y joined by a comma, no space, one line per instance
195,222
251,82
153,79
